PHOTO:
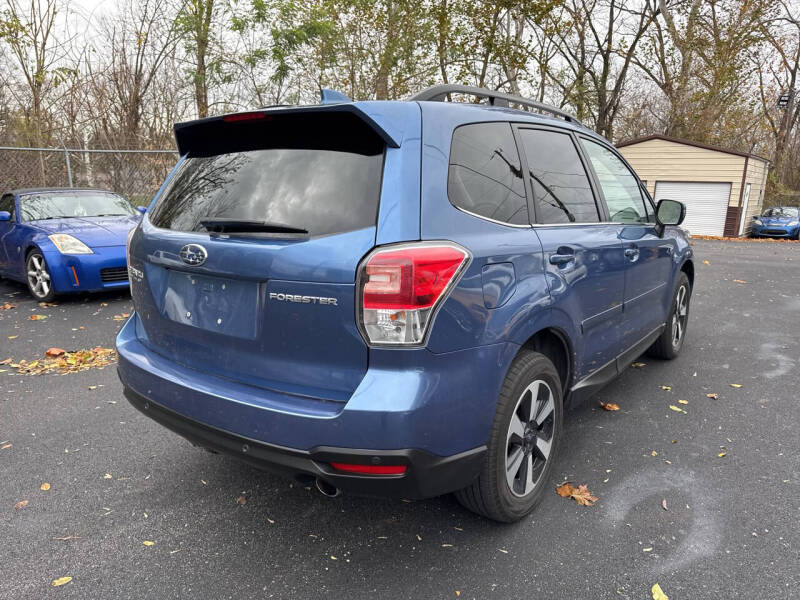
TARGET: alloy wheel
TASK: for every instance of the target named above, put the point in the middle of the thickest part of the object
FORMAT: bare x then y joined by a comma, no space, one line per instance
38,277
680,316
530,438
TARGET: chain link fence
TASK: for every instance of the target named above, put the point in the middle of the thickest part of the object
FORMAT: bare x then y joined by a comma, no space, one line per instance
136,174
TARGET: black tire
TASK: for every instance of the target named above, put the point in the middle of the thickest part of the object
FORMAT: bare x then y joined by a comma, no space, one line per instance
491,494
668,346
40,285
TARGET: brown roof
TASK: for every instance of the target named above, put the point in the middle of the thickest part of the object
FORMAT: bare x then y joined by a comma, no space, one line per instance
688,143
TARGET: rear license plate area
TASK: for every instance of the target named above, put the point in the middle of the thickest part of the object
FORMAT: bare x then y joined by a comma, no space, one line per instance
217,304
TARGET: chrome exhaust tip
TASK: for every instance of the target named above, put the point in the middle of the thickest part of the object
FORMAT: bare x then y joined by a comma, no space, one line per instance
326,489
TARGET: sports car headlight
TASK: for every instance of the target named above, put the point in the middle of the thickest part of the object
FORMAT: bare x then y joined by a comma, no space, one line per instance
758,222
793,223
67,244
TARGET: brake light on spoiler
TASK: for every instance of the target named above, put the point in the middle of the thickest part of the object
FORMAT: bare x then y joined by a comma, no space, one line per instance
401,287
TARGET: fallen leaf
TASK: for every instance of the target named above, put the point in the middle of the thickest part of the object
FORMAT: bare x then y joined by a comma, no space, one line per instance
654,453
6,361
44,487
21,504
121,317
37,317
92,387
107,476
67,538
7,306
705,262
609,406
565,489
658,593
48,304
333,557
712,396
148,543
61,581
13,337
4,446
58,360
648,549
447,545
739,281
683,402
666,388
458,592
721,454
677,409
580,494
736,385
503,550
664,504
241,500
638,365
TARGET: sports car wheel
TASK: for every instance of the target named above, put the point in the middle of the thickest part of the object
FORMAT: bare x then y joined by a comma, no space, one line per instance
38,277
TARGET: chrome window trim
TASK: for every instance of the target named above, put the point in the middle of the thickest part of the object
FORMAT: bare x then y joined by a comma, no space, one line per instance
477,216
595,223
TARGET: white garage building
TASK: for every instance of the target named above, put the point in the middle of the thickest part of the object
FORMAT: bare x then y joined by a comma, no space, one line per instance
722,189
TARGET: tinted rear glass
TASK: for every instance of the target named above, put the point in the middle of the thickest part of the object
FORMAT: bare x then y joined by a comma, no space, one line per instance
318,190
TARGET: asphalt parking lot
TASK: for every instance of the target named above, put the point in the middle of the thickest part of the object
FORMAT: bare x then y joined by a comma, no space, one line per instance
727,470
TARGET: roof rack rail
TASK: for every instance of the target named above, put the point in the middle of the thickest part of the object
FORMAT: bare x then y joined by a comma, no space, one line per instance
437,93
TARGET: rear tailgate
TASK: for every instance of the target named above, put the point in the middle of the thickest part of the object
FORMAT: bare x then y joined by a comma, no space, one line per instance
230,284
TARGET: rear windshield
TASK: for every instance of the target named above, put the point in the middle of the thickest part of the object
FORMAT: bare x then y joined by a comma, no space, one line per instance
320,191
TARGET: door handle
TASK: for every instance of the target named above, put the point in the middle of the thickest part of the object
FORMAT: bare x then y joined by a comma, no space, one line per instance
632,253
561,259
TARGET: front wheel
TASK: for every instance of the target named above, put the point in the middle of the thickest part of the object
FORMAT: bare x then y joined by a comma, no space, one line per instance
669,343
522,444
38,277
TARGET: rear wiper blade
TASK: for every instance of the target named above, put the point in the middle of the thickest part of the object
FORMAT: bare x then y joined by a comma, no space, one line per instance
245,226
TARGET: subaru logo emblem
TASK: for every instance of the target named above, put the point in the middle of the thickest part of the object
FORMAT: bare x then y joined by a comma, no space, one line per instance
193,254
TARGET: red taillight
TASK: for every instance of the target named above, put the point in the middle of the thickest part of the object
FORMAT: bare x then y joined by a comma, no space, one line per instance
370,469
411,277
248,116
401,286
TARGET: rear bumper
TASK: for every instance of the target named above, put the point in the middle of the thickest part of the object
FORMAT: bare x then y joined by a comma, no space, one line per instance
432,412
427,475
82,272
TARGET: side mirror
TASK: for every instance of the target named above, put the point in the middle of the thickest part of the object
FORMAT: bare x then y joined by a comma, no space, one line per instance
141,209
669,212
5,215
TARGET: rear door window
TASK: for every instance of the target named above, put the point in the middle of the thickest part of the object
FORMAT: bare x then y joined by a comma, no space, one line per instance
485,174
560,185
316,190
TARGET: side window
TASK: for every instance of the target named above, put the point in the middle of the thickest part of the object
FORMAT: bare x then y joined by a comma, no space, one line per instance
620,188
560,185
7,204
485,174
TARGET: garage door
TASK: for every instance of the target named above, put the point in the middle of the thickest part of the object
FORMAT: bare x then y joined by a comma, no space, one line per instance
706,204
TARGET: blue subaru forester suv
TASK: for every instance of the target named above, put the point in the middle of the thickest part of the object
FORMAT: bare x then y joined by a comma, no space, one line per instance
397,298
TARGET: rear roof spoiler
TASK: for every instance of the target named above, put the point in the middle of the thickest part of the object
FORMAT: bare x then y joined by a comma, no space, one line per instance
191,135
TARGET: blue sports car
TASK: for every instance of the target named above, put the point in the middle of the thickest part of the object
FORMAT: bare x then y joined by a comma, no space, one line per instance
65,240
778,221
